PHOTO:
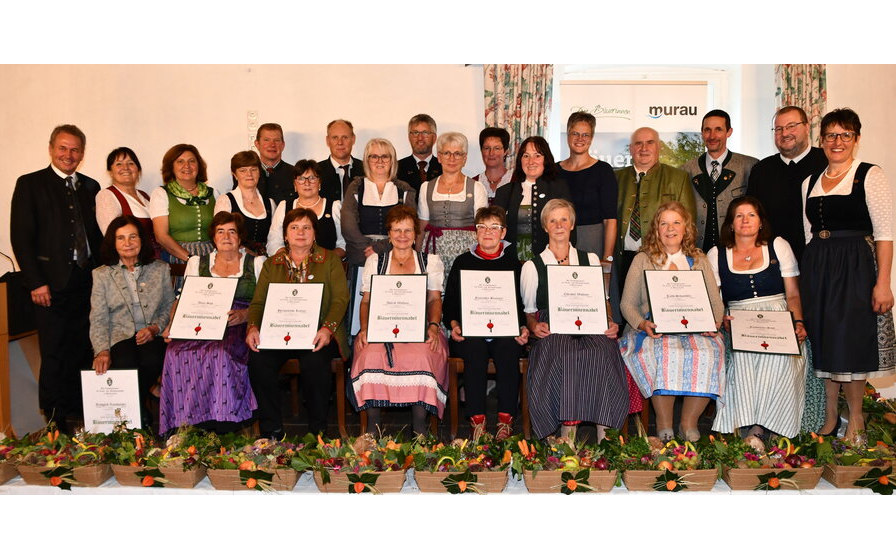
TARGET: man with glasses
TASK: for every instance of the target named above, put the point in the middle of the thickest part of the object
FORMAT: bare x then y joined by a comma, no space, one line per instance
338,170
421,165
276,178
718,177
777,180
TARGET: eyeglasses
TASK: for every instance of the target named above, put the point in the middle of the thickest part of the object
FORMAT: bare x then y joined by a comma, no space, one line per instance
831,137
490,227
582,135
377,157
416,133
307,179
787,127
454,155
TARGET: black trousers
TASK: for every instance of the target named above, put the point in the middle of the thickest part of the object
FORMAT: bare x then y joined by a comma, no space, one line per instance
147,359
475,353
316,380
63,330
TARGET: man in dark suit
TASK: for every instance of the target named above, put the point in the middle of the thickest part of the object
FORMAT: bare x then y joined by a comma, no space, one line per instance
56,241
421,165
276,181
338,170
777,180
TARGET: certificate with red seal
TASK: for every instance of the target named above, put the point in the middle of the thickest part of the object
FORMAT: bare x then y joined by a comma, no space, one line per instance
202,308
763,332
291,316
397,310
679,302
576,300
488,304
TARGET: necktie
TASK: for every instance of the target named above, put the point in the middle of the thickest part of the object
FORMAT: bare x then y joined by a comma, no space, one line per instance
714,174
345,177
634,226
421,165
77,223
268,171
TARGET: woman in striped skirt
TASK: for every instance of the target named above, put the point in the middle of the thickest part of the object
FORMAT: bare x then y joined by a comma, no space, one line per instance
668,365
571,379
763,390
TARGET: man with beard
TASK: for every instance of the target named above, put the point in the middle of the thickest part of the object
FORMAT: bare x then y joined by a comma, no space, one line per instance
421,165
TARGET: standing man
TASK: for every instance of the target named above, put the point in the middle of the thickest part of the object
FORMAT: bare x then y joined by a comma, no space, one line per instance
56,241
718,177
777,180
276,180
643,186
421,165
337,171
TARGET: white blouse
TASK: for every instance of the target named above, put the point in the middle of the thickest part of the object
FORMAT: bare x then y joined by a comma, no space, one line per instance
435,271
275,234
108,208
192,268
222,204
878,198
786,260
529,275
372,195
480,197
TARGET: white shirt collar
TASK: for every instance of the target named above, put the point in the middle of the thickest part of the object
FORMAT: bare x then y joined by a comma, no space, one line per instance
720,159
63,175
337,165
427,159
797,158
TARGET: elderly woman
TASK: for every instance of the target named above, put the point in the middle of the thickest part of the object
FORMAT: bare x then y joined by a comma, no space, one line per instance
593,186
758,273
122,198
846,265
535,183
447,204
489,253
183,207
129,304
364,207
247,201
205,382
572,379
404,374
302,261
493,145
665,366
328,229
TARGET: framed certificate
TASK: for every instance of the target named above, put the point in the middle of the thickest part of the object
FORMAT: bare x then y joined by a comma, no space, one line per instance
679,302
488,303
109,399
202,308
764,332
291,314
576,300
397,308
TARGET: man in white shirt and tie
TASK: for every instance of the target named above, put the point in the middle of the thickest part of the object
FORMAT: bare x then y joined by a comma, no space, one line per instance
338,170
421,165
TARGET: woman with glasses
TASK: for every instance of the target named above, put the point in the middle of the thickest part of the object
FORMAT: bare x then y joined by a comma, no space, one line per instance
846,270
448,203
246,200
307,184
366,202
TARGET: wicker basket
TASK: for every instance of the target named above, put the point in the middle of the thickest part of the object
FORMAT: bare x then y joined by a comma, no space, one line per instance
548,482
229,479
177,477
89,476
842,476
699,480
7,472
388,482
748,479
491,482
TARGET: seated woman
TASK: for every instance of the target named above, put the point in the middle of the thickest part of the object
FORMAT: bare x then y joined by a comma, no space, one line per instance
129,305
328,231
489,253
572,379
447,204
246,200
205,382
303,261
665,366
407,373
762,390
122,197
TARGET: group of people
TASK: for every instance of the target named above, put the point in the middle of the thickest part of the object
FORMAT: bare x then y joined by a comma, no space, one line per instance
766,235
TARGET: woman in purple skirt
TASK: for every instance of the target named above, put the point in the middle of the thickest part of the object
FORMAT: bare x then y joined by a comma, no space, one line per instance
206,382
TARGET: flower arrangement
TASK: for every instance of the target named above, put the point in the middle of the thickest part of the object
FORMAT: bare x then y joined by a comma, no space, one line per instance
880,424
649,464
7,464
245,463
461,466
750,464
138,458
862,466
562,465
49,457
357,464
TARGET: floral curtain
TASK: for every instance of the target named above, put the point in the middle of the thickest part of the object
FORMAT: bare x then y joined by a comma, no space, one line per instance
518,99
803,85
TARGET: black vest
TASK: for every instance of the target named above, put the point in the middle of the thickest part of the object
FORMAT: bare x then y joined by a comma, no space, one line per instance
834,213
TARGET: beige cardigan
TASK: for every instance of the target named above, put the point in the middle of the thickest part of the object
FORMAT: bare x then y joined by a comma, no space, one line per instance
634,305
